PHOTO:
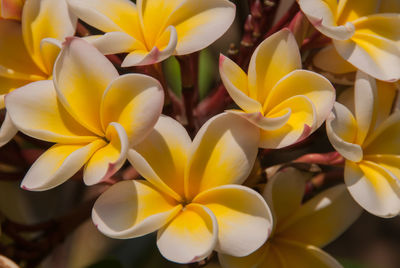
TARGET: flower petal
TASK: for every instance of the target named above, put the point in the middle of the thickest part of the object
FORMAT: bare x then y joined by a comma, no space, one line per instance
299,126
223,152
200,23
386,95
341,128
7,130
135,101
284,192
322,15
109,16
305,83
349,10
321,219
36,111
163,49
329,60
81,75
109,159
113,42
133,208
236,83
170,140
264,123
266,66
383,25
372,54
375,188
244,218
58,164
46,19
190,237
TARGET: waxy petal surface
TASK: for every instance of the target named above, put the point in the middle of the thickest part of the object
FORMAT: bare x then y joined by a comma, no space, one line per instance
133,208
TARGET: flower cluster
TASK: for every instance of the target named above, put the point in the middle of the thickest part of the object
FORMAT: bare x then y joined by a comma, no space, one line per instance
102,99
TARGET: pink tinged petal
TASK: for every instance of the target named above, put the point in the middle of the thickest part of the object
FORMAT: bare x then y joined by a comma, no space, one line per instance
161,50
264,123
323,17
315,87
170,141
299,126
244,218
284,192
384,140
236,83
135,101
58,164
293,254
329,60
321,219
113,42
37,112
109,159
81,76
46,19
11,9
133,208
372,54
266,66
109,16
190,237
201,23
341,129
374,187
7,130
223,152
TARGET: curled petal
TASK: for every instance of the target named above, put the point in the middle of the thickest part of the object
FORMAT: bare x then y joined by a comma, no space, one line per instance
58,164
244,218
109,159
81,75
169,139
374,187
135,101
190,237
37,112
341,128
114,42
133,208
264,123
7,130
223,152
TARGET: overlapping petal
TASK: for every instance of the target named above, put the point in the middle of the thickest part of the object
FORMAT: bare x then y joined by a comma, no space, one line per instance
223,152
191,236
244,218
329,60
133,208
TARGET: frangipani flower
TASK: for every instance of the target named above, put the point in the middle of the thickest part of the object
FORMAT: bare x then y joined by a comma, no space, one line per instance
92,114
153,30
191,195
367,136
24,55
286,103
364,32
300,230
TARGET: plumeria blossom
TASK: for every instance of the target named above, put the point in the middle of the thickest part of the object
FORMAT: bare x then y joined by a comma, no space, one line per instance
367,136
300,229
191,193
364,32
24,55
285,102
90,112
153,30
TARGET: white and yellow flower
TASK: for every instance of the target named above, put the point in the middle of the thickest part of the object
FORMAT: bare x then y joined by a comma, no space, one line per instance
365,133
285,102
153,30
90,112
300,229
364,32
24,55
191,193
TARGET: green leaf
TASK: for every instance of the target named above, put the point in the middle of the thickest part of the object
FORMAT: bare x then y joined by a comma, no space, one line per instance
172,72
207,72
